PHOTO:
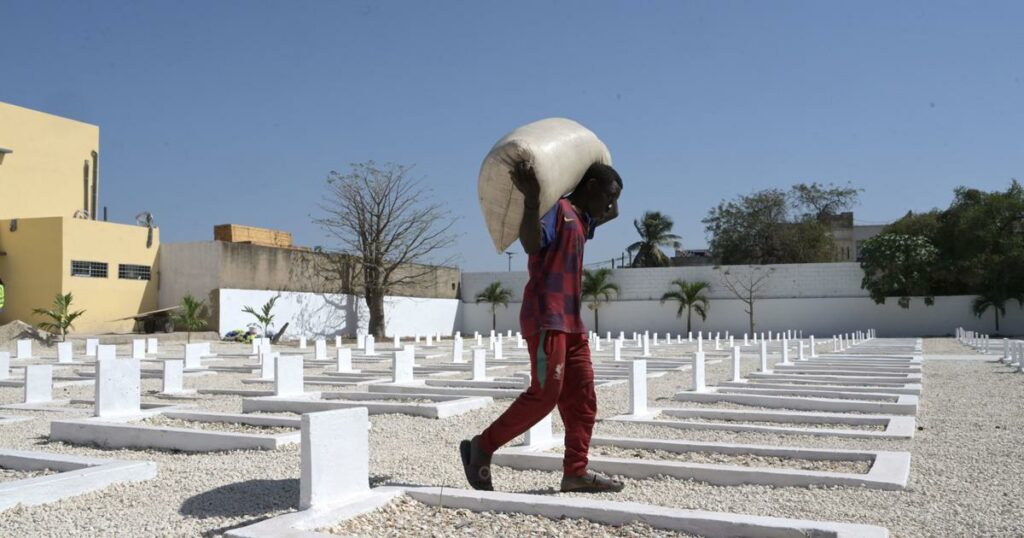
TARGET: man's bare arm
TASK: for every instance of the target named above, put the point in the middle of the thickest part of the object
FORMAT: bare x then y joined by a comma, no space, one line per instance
530,232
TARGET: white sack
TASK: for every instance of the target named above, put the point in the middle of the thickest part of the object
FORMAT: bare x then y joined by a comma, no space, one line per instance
560,150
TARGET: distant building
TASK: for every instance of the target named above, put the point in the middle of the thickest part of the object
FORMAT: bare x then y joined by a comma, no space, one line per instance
849,237
691,258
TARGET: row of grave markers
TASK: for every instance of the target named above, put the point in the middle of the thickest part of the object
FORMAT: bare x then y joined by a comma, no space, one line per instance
1013,350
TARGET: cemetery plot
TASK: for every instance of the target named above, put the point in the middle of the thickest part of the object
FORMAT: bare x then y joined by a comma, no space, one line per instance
760,464
334,497
416,404
769,383
33,478
185,431
895,405
780,422
11,419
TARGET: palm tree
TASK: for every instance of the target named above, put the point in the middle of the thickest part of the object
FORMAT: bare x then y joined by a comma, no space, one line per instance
265,316
495,295
61,316
689,295
193,315
655,232
597,288
995,299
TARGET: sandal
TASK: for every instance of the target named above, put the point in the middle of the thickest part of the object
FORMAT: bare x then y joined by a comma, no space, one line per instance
591,482
476,464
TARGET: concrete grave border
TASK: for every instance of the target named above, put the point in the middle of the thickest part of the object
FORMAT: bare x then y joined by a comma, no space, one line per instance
896,427
889,470
443,406
76,476
121,432
708,524
765,383
904,405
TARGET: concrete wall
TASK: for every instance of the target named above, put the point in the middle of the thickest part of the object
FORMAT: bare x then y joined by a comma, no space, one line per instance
818,298
320,314
791,280
822,316
45,175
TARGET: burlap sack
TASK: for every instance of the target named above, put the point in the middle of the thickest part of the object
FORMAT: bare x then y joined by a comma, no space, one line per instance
560,150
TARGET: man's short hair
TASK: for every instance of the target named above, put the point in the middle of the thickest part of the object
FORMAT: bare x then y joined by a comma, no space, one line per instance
602,172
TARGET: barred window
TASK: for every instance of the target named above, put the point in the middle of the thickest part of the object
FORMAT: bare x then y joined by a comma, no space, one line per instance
88,269
133,272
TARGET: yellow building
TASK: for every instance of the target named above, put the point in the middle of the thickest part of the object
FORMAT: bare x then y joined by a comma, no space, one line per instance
50,240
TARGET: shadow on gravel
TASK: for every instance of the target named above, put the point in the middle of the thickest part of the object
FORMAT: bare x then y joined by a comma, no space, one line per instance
249,498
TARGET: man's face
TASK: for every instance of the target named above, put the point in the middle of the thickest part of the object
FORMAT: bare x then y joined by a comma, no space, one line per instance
603,200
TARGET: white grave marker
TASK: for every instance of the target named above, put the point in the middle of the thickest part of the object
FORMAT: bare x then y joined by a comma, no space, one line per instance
638,388
479,365
193,354
106,352
401,367
138,349
335,456
5,365
736,364
24,349
174,376
344,359
457,351
152,346
320,350
90,346
698,372
288,376
38,383
266,367
64,352
539,435
302,342
764,356
117,387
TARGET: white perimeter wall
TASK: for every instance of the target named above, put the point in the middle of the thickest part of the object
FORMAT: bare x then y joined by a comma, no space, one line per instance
821,299
320,314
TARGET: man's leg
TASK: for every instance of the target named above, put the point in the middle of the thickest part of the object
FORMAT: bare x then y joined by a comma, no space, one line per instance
547,361
577,404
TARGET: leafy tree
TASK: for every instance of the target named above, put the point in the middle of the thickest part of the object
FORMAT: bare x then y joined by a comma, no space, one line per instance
265,316
898,266
61,317
822,202
192,315
690,296
390,224
597,288
745,284
495,295
655,232
996,300
772,226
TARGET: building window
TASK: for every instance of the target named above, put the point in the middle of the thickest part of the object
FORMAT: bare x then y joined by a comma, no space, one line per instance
133,272
88,269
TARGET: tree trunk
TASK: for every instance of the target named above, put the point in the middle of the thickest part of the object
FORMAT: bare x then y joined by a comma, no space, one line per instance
750,313
494,319
997,320
375,303
597,322
689,316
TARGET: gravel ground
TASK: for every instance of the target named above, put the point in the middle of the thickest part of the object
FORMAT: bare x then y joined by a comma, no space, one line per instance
233,427
745,460
807,425
965,475
404,517
9,475
947,346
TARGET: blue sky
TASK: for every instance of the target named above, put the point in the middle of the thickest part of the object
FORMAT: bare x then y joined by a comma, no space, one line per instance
215,112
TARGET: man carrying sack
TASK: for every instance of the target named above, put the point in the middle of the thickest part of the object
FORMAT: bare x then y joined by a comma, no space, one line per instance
561,371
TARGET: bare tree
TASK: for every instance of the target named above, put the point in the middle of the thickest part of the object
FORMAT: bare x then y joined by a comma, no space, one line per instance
745,283
386,227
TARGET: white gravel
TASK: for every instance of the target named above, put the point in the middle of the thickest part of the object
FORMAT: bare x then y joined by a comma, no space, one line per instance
8,475
404,517
965,478
745,460
233,427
